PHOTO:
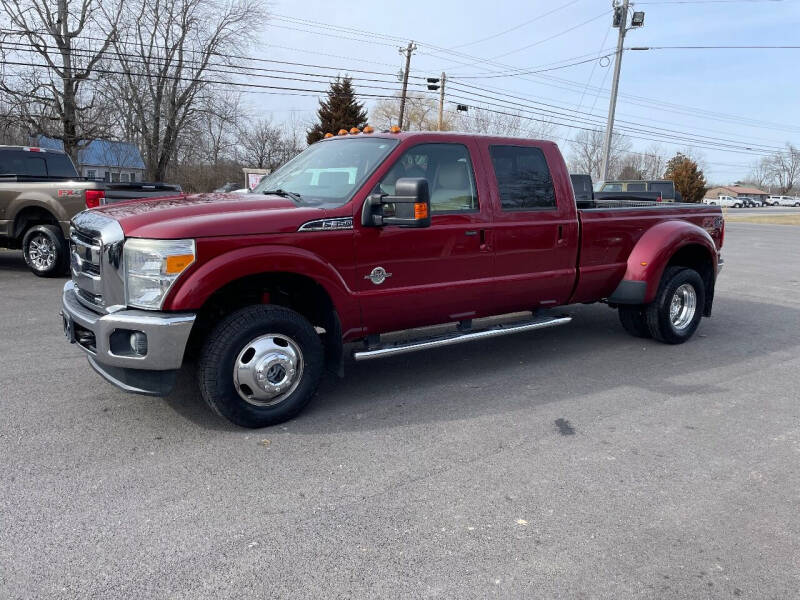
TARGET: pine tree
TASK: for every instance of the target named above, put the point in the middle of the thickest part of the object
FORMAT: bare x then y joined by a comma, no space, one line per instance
340,110
687,176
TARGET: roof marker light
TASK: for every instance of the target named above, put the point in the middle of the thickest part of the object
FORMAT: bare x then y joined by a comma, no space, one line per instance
354,131
343,132
394,129
328,135
368,129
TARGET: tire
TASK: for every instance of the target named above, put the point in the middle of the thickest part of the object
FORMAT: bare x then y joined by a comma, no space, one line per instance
269,344
634,320
737,206
684,287
45,250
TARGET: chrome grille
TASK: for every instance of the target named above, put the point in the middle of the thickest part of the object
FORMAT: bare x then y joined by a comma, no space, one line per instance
85,263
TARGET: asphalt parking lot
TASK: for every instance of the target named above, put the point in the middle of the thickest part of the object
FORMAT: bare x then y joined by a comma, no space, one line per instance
574,462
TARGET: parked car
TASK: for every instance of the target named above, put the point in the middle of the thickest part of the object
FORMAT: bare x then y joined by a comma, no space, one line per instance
784,201
665,187
432,229
40,191
748,202
726,201
228,187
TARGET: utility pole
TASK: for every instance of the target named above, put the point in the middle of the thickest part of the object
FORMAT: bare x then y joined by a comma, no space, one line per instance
620,21
408,51
441,101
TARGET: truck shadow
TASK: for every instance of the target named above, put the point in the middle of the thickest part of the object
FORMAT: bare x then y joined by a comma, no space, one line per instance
12,260
588,356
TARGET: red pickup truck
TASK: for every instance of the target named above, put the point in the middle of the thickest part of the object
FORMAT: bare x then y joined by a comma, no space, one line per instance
364,234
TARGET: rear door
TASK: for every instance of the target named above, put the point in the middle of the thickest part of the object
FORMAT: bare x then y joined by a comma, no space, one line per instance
413,277
535,226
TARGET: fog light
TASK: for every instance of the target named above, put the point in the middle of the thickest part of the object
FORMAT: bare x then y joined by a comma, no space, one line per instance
139,343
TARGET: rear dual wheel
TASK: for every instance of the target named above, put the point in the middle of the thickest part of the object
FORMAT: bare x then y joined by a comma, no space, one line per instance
674,314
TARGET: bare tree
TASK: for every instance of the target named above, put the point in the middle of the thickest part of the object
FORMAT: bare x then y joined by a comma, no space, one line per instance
167,52
760,174
587,152
54,97
783,168
512,124
421,113
649,164
268,146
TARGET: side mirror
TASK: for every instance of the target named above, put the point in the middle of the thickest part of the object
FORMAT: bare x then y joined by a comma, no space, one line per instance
409,207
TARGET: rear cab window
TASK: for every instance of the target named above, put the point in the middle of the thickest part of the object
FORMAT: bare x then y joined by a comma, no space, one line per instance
523,178
35,164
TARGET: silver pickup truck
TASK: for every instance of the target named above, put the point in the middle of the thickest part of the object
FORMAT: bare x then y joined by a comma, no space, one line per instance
40,192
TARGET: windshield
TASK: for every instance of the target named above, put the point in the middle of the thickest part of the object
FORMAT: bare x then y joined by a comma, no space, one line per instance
329,173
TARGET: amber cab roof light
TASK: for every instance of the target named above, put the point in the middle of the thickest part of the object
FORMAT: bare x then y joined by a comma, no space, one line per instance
328,135
343,132
394,129
368,129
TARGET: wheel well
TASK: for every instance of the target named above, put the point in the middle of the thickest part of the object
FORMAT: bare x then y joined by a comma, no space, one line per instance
30,216
297,292
697,257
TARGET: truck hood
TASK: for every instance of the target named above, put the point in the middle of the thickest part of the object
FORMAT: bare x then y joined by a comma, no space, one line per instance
208,215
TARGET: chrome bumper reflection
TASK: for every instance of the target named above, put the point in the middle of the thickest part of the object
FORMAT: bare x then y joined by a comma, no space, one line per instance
167,334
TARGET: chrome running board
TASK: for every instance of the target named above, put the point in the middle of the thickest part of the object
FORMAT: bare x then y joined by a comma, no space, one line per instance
456,337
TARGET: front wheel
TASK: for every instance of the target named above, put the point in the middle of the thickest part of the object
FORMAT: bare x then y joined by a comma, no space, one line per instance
261,365
45,251
675,314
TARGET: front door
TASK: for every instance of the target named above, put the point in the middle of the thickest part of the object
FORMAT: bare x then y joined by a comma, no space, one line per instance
409,277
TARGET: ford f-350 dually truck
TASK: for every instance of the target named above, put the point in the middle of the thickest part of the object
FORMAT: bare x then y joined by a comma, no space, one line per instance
360,235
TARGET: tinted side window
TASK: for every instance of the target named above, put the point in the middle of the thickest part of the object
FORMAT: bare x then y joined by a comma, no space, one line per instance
667,189
59,165
637,187
448,169
20,162
523,178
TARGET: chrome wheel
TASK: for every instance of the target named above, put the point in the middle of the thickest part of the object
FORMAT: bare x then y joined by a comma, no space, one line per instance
41,252
268,369
683,306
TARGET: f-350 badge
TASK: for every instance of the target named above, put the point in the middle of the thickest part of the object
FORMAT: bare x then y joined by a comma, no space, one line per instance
378,275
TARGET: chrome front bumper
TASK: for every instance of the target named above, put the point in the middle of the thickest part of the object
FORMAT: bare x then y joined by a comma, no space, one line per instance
150,373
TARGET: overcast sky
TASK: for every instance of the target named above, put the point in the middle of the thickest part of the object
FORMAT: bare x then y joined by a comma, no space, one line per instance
748,98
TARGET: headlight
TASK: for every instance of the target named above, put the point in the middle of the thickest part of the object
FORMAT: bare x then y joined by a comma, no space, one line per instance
151,267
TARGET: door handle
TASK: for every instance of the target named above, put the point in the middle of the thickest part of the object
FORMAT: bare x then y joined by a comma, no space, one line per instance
561,241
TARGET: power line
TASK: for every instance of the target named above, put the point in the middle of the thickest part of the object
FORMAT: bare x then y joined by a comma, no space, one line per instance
558,113
524,24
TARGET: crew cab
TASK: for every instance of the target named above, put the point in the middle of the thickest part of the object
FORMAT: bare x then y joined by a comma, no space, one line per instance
40,191
364,234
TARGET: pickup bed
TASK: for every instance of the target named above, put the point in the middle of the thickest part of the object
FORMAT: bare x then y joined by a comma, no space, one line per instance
40,191
359,236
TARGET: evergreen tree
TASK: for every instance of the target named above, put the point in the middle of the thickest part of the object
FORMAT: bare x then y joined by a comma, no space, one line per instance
340,110
687,176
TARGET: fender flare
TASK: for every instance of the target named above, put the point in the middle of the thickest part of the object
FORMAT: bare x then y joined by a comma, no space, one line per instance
652,253
197,285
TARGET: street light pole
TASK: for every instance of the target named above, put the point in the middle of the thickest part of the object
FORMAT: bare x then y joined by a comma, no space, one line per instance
621,21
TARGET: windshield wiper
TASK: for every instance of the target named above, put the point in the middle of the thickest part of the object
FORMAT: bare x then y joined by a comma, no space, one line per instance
283,194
